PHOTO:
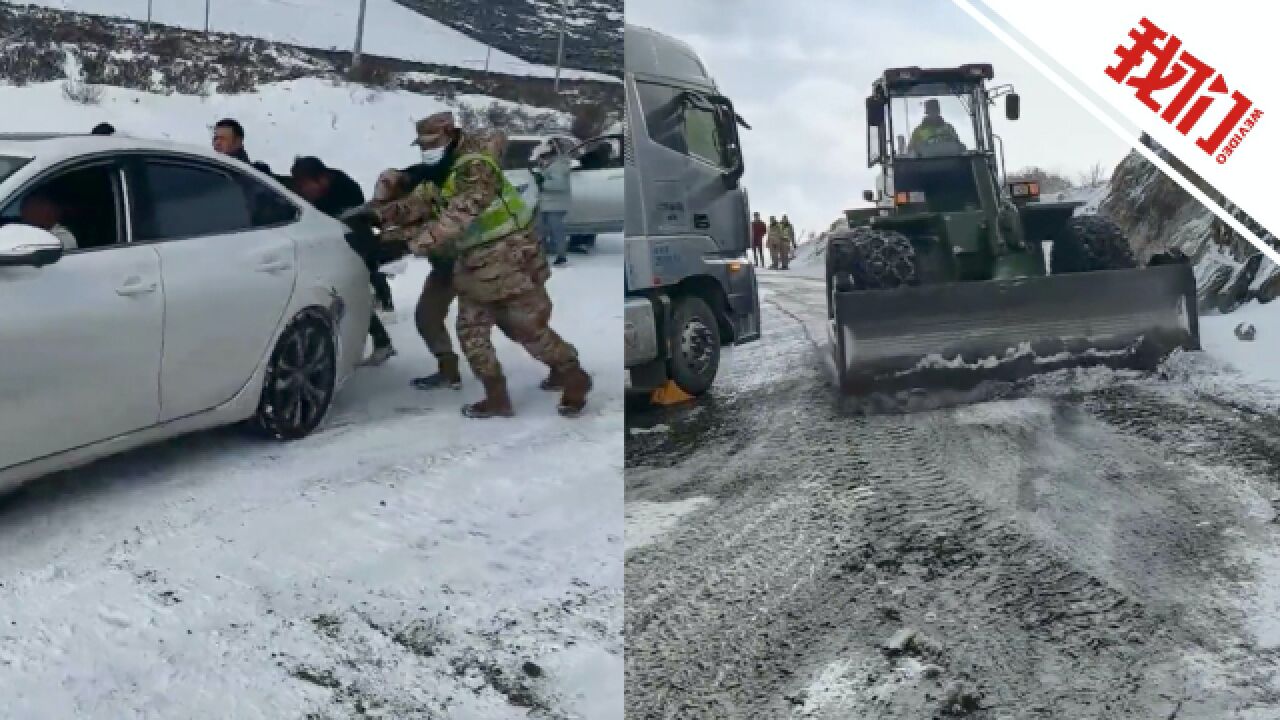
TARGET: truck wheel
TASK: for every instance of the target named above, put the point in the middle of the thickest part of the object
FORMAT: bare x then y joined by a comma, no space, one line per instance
874,259
694,339
1088,243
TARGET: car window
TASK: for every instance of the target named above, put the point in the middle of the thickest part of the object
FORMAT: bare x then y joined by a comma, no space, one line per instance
178,200
267,208
10,165
83,203
683,121
518,154
599,154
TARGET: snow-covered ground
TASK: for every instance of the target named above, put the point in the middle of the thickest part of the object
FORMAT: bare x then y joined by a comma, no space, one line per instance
391,30
404,562
1256,364
350,127
404,557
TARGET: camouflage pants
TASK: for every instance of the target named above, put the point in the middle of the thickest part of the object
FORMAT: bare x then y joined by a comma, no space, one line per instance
433,307
525,319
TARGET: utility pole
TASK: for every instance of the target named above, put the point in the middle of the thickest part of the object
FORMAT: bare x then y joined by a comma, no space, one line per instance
564,17
149,15
355,55
488,53
206,16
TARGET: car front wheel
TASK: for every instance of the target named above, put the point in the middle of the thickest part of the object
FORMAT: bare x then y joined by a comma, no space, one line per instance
300,381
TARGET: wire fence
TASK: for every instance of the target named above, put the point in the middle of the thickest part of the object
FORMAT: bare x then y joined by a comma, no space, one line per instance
229,16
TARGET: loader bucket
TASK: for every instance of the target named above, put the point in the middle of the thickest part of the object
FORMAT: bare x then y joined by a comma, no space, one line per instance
956,336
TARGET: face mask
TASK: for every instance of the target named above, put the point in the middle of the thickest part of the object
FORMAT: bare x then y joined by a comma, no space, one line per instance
433,156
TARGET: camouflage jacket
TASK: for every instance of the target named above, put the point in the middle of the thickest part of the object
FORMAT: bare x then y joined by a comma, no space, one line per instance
430,224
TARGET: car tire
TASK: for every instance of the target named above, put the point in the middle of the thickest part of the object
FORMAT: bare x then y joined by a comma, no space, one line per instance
694,339
300,381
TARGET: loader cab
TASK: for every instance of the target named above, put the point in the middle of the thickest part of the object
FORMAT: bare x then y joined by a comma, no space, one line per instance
930,130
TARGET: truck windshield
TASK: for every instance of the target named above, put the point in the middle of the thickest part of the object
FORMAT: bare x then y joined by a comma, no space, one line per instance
932,125
10,165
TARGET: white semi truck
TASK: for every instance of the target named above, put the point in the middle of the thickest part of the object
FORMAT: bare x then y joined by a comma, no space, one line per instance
690,289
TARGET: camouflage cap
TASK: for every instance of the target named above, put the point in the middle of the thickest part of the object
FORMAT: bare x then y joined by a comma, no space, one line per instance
429,129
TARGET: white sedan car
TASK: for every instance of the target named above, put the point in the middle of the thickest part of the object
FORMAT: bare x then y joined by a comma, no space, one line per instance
187,291
596,180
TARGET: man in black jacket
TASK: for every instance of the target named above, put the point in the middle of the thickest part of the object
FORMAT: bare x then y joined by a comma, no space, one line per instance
333,192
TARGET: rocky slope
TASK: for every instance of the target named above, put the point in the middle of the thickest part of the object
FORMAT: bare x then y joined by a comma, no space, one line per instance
1158,214
35,44
530,29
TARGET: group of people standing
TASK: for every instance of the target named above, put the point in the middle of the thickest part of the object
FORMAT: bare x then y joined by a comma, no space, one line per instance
457,209
780,238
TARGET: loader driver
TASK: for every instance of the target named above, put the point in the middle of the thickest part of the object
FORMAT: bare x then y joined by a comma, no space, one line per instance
934,135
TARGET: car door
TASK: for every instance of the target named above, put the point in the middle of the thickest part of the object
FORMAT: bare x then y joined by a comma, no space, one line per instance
597,189
81,336
228,276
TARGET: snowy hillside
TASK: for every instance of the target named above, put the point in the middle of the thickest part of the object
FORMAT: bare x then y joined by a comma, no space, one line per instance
353,128
391,29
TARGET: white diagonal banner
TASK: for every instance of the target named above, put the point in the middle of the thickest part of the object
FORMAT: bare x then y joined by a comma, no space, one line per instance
1194,79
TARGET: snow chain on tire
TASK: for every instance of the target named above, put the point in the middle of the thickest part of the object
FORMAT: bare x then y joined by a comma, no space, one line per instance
1089,243
876,259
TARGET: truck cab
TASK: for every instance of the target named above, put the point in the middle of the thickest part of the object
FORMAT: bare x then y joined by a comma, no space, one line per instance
690,289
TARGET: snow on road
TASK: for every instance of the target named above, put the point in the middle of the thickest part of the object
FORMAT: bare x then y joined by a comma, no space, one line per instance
1257,362
391,30
647,521
403,560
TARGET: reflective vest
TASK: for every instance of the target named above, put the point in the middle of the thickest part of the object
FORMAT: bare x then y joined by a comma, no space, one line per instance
926,134
507,214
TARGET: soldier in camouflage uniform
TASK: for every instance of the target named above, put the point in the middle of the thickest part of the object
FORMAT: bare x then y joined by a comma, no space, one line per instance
788,242
500,271
408,195
774,240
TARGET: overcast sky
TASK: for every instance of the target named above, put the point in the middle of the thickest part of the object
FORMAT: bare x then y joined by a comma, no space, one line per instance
798,73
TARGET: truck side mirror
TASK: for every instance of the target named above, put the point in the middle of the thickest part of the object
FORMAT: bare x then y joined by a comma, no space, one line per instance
868,196
874,116
1012,106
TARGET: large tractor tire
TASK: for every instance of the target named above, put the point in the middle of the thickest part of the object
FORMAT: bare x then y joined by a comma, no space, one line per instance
1088,243
873,259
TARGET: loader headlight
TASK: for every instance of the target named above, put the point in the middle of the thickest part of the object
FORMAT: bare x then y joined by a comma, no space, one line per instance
1024,189
908,198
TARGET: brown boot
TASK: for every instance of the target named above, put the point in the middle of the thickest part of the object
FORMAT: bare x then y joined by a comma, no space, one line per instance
496,402
447,376
577,383
553,382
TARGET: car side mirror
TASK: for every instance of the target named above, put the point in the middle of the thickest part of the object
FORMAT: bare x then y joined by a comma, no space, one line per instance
1012,106
28,246
868,196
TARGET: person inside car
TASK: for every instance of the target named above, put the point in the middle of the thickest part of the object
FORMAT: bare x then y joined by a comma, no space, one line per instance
40,210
